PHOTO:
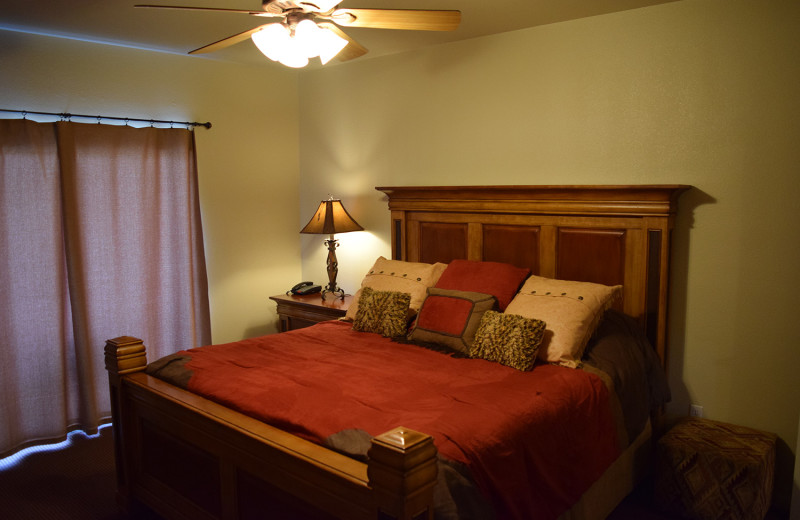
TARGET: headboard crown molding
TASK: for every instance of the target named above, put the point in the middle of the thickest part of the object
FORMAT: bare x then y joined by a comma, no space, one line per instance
610,200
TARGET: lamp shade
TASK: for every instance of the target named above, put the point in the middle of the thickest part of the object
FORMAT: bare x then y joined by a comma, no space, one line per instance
330,218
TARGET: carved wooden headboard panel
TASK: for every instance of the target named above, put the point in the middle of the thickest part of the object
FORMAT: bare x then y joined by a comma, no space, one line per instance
603,234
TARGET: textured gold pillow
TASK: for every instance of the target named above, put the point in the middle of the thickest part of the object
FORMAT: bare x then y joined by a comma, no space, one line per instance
572,311
413,278
508,339
382,312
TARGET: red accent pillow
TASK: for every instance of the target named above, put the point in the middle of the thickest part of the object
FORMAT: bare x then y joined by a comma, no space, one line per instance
450,318
445,314
498,279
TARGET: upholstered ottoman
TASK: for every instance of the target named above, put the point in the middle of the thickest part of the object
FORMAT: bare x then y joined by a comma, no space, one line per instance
708,470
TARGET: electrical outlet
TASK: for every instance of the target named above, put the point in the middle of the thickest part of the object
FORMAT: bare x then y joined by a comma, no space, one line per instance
695,410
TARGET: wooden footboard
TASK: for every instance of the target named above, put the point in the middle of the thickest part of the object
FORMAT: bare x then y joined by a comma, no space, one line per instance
186,457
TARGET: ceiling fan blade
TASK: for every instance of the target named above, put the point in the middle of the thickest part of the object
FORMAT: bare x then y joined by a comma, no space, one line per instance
226,42
408,19
217,9
320,6
352,50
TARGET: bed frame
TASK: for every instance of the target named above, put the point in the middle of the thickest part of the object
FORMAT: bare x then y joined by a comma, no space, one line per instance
188,458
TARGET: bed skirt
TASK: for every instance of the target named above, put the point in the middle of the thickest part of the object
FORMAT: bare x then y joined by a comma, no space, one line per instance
617,482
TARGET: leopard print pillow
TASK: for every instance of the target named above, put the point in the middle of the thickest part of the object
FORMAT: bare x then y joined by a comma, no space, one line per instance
508,339
382,312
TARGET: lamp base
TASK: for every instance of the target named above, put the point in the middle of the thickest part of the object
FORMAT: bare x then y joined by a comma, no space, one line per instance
333,270
336,292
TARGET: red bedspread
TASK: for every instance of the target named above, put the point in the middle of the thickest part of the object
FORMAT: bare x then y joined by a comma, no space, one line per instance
534,441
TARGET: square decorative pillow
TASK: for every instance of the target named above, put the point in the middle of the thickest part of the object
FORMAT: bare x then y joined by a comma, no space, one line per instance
413,278
382,312
450,318
508,339
572,311
495,278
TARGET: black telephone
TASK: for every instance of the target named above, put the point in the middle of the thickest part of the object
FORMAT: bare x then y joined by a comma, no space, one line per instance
304,288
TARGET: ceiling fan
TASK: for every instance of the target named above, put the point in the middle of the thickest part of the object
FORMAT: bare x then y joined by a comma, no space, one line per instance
306,29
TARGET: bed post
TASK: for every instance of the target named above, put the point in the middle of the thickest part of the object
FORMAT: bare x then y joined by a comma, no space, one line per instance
123,355
402,473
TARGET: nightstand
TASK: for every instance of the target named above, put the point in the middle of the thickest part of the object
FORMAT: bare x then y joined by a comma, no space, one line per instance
296,311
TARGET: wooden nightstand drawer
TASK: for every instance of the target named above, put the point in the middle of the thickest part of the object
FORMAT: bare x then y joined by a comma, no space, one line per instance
296,312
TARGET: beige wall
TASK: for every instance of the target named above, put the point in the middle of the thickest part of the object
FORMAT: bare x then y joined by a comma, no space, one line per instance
700,92
247,162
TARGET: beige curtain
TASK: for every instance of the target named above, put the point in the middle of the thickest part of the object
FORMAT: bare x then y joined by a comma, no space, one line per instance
100,237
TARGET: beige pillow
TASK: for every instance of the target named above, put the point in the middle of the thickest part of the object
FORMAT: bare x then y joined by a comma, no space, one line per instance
413,278
571,310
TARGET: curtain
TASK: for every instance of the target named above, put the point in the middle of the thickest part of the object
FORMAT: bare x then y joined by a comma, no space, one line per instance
100,237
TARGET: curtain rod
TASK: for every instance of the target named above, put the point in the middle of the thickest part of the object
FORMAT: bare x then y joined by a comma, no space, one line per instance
67,116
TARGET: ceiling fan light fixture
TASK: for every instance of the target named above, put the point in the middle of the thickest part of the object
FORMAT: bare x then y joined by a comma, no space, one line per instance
306,38
330,45
276,42
271,39
294,47
294,59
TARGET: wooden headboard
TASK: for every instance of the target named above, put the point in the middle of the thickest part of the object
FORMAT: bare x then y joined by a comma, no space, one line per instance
603,234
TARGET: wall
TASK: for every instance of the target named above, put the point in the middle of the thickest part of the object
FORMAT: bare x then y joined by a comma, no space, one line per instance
699,92
795,512
247,161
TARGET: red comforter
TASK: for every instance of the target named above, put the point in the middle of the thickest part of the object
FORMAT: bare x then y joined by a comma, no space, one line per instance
534,441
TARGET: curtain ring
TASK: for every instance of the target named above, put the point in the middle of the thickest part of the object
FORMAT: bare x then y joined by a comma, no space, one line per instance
99,119
152,123
24,114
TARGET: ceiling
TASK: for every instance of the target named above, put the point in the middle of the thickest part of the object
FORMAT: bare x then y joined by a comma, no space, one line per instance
117,22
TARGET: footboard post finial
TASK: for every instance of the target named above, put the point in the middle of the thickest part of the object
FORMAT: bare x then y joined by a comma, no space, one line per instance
402,473
123,355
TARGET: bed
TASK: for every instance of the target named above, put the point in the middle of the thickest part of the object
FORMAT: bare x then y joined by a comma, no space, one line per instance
184,451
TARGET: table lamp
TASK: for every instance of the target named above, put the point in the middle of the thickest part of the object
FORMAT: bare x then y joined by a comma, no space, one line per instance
329,219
